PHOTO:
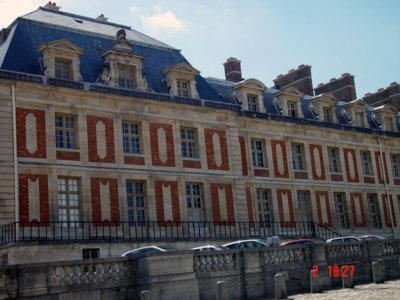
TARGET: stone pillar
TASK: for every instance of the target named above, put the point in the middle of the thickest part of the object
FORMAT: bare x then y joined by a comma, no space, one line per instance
280,286
145,295
348,282
315,283
378,272
221,292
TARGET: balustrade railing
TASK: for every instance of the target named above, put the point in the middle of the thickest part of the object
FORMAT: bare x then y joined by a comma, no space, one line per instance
156,230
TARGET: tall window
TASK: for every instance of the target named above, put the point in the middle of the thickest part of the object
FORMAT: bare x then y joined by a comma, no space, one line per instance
63,69
304,203
131,138
359,121
298,156
264,201
373,210
126,76
136,202
69,200
292,111
252,101
389,124
189,142
183,88
340,208
258,153
334,160
366,163
395,158
327,114
65,131
194,202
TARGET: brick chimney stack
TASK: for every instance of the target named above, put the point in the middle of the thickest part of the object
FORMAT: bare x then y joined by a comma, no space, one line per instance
52,6
299,78
389,95
233,71
342,88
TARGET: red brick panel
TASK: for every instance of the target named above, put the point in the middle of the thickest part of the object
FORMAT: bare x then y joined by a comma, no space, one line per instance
194,164
284,161
134,160
155,147
315,172
160,201
22,150
92,139
68,155
379,167
242,143
24,197
208,134
386,212
318,196
300,175
336,177
96,200
351,152
283,207
249,207
261,172
396,181
215,202
369,179
357,223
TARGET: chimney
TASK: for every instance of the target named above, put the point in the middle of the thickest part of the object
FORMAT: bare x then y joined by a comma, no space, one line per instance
102,18
233,71
343,88
52,6
299,78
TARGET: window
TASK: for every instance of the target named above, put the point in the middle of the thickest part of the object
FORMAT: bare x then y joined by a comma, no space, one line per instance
389,124
63,69
89,253
65,131
340,208
359,121
257,152
188,142
373,209
334,160
194,202
252,102
183,88
298,156
126,76
292,111
136,202
327,114
131,138
264,202
304,203
366,163
69,199
395,158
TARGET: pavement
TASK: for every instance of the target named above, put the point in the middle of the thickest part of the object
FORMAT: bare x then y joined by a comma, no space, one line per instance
390,290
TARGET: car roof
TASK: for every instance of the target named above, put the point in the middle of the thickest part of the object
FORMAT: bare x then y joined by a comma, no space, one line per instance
243,241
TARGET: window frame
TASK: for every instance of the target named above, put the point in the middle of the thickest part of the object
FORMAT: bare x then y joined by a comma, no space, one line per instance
342,219
252,103
292,109
265,207
374,218
366,163
334,161
259,156
182,90
68,207
389,124
328,114
359,119
60,71
189,143
395,163
133,195
65,130
298,157
123,77
127,138
195,213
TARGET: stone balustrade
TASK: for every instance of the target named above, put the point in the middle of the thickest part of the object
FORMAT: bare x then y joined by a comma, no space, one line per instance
214,261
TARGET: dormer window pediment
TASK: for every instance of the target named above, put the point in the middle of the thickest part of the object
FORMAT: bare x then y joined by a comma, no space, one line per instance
289,100
249,93
61,59
180,79
386,116
325,105
357,111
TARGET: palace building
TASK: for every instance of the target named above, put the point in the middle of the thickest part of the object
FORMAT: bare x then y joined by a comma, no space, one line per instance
104,125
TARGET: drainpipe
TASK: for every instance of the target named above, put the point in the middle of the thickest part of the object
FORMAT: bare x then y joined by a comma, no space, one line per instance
386,187
16,191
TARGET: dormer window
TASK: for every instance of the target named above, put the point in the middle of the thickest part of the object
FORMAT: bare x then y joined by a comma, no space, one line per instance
63,69
183,87
289,100
327,112
292,110
252,102
389,124
126,76
385,115
359,119
325,105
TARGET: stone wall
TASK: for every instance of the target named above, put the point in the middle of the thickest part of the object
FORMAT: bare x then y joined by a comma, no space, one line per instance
248,274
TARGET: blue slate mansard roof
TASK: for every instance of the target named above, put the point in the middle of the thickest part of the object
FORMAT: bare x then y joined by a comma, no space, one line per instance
20,51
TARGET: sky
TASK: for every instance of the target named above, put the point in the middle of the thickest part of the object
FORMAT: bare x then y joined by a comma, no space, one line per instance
270,37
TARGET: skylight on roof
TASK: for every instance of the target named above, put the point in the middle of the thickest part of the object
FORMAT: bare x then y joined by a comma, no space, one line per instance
78,21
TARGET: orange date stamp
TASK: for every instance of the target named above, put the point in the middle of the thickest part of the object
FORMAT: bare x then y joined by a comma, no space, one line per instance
336,271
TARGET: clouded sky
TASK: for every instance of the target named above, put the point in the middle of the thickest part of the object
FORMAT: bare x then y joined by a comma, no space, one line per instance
361,37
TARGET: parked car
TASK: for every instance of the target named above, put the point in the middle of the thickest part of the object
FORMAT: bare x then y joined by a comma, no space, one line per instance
344,239
371,237
145,250
208,248
300,242
244,244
